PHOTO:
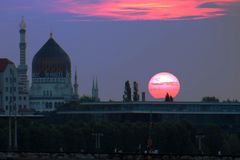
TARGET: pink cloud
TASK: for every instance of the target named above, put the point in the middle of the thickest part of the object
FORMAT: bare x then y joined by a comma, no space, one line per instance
144,9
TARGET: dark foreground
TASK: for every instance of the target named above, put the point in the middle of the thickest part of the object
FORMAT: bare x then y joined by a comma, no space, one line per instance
111,156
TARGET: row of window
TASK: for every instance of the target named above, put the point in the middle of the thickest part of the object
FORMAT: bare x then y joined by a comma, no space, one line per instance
10,79
11,89
41,80
47,93
49,105
19,107
14,98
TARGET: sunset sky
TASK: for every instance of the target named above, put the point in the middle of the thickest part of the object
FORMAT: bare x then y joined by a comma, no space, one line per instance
118,40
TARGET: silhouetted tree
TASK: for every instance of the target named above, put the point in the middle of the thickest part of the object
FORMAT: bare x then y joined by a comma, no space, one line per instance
135,91
167,98
170,99
230,101
127,97
210,99
85,98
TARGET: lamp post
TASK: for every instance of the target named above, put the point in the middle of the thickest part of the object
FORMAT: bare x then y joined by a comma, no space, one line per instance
97,140
9,128
149,141
15,129
199,138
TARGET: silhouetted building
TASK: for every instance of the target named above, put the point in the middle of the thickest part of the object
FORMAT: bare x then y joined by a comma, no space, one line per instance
51,77
11,99
95,96
75,92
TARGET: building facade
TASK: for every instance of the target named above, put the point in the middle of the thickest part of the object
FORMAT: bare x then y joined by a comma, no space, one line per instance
51,77
9,88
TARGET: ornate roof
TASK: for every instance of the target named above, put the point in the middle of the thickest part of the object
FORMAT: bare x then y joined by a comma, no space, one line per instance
51,58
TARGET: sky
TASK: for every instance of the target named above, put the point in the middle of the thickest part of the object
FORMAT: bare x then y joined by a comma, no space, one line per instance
117,40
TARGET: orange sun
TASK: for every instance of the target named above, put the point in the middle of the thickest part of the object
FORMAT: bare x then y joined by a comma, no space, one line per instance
162,84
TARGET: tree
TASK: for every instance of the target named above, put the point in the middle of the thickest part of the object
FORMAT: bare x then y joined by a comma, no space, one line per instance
170,99
167,98
135,91
210,99
85,98
127,97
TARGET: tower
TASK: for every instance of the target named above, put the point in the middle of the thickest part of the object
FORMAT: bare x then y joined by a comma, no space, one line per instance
75,94
22,68
51,77
95,90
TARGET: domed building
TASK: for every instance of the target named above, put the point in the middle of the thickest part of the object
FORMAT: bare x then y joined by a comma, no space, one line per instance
51,77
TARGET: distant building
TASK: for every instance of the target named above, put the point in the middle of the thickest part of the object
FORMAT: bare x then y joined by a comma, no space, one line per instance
51,77
95,96
11,100
75,92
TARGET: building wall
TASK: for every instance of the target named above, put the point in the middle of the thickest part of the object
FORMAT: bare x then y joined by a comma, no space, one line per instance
48,93
10,94
10,97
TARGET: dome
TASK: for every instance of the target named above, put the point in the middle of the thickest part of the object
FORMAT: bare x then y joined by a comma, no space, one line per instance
51,61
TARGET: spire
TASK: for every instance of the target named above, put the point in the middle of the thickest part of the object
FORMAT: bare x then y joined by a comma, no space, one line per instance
23,24
96,84
76,84
93,85
76,78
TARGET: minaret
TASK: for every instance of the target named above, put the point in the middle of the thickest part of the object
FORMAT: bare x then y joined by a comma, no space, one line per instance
93,90
22,44
76,85
96,90
22,68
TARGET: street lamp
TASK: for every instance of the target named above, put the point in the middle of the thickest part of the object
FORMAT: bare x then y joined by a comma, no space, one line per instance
98,140
199,138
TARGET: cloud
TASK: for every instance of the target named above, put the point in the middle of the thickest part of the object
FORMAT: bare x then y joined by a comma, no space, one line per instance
146,9
130,10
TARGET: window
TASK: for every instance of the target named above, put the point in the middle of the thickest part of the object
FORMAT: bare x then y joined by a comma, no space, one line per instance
20,98
6,98
50,104
24,98
6,89
20,106
6,79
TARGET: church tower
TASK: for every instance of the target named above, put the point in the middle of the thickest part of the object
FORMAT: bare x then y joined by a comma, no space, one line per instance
22,68
75,94
95,90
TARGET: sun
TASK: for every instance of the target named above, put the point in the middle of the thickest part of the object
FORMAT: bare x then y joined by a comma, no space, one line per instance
162,84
